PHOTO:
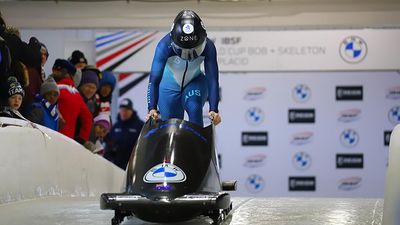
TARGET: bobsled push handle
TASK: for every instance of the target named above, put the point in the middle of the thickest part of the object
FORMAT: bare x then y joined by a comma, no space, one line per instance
229,185
152,121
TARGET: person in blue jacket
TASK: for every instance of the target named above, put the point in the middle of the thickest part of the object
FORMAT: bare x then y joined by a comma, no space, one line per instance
45,108
123,135
176,82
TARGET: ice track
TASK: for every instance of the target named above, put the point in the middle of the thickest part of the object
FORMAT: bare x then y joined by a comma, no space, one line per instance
271,211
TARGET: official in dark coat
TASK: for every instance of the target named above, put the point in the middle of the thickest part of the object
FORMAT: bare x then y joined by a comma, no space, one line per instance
124,133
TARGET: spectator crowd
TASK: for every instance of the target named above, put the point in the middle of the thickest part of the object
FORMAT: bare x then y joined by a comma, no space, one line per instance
74,99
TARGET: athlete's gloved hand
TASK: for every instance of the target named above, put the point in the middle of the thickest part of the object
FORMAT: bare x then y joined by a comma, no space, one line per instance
153,114
215,117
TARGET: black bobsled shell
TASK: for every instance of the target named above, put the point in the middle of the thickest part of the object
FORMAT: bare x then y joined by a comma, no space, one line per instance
176,142
172,176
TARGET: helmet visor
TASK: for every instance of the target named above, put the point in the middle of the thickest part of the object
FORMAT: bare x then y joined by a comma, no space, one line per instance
189,54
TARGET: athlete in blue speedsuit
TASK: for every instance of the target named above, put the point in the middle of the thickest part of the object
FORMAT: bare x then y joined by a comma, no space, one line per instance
176,82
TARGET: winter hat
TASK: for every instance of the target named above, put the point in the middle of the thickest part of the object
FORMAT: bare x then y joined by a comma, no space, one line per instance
77,57
104,120
49,85
14,87
108,78
126,103
64,64
89,76
94,69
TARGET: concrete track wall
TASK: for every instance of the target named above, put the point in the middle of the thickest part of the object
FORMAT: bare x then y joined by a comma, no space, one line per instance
36,163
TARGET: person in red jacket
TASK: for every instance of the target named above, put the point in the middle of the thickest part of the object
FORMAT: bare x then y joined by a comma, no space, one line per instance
71,105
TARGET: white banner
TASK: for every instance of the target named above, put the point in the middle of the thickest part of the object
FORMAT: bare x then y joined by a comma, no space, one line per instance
308,134
295,130
303,50
302,133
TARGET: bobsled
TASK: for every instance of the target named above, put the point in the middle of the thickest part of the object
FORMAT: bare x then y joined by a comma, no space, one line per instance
172,176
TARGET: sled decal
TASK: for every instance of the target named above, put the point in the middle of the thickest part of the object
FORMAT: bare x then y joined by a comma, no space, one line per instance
165,172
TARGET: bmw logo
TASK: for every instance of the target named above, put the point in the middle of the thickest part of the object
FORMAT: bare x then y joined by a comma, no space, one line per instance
301,160
353,49
349,138
255,183
254,116
301,93
394,115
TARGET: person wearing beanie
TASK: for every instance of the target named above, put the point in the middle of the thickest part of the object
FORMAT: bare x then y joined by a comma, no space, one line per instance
49,90
93,69
15,94
70,103
102,126
88,88
62,67
45,108
106,87
103,123
78,59
123,135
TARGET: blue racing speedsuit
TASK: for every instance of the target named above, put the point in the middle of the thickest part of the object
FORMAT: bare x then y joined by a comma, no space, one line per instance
177,85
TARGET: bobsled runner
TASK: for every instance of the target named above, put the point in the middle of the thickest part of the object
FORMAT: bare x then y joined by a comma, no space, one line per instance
172,176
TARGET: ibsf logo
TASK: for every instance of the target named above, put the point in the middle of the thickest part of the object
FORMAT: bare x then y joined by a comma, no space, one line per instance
301,93
394,115
349,138
255,183
255,93
353,49
255,161
393,93
301,160
350,183
254,116
349,115
302,138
